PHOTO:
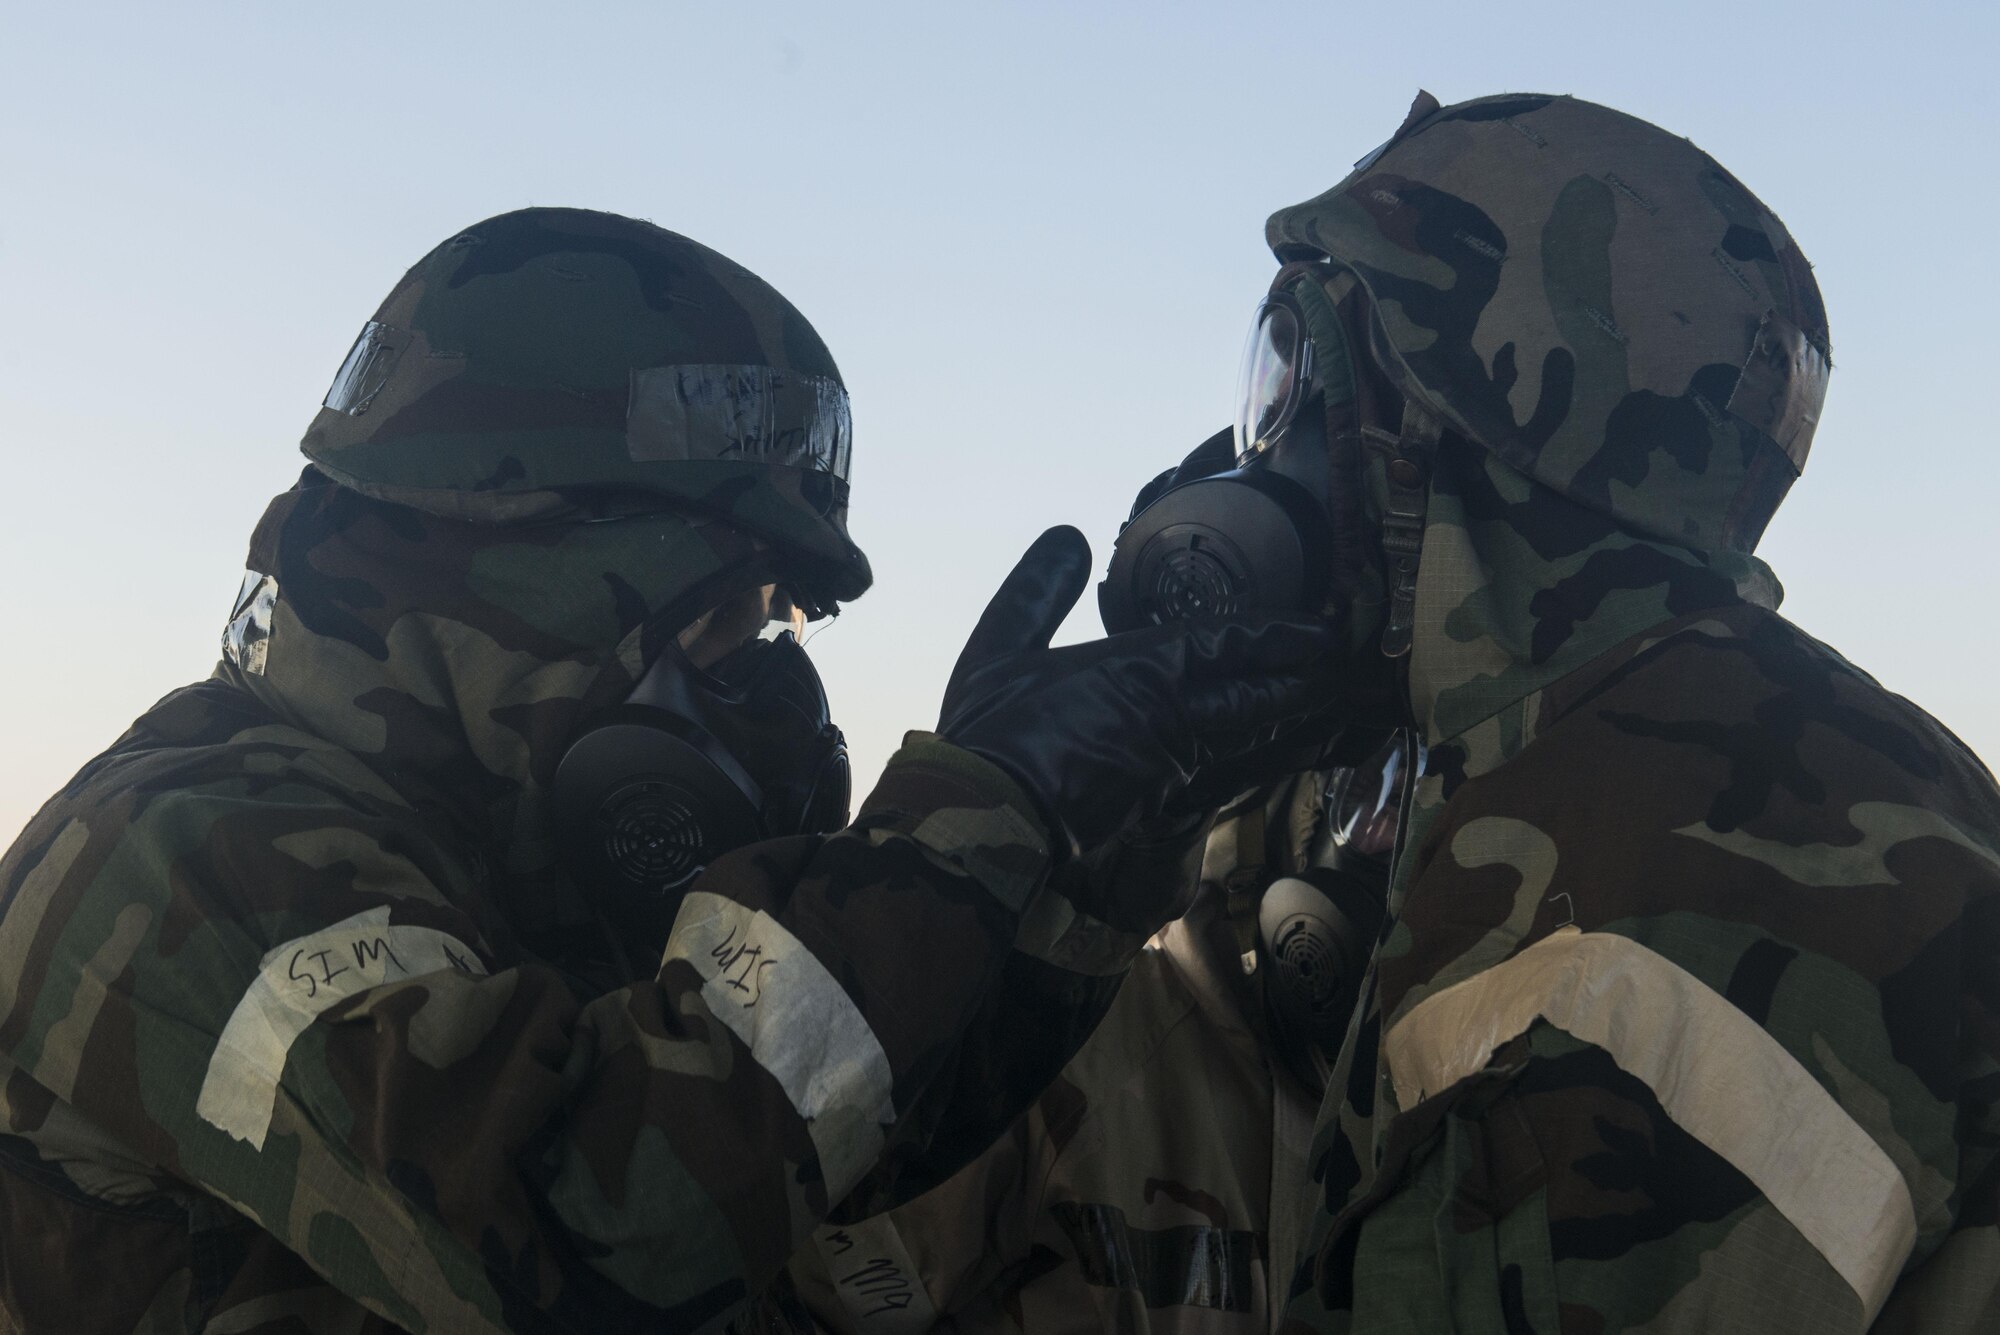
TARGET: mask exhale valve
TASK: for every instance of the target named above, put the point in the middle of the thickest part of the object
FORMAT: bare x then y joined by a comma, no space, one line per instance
1246,540
695,763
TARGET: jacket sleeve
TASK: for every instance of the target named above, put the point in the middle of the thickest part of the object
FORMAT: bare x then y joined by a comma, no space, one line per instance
1680,1122
282,1003
1054,987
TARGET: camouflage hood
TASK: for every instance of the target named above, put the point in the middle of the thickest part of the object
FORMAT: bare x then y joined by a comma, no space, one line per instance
1519,586
1627,353
457,659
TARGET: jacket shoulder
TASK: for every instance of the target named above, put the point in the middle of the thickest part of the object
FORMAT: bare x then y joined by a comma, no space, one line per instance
1746,704
175,859
1737,797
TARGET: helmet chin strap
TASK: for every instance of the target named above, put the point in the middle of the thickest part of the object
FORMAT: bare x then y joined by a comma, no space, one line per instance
1410,453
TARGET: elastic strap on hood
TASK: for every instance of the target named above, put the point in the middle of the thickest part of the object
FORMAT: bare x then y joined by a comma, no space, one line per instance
1408,476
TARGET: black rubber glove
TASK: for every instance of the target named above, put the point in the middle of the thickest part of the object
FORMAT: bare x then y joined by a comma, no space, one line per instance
1142,880
1107,734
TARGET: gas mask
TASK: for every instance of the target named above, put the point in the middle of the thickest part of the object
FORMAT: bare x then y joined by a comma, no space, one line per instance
1316,930
1256,536
696,762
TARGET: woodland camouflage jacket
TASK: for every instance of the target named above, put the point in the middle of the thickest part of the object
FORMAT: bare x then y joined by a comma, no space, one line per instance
1138,1193
1687,1017
298,1034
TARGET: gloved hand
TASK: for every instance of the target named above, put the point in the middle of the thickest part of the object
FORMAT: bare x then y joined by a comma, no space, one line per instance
1140,881
1106,735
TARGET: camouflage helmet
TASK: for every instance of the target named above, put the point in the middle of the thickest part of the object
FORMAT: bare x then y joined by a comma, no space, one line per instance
1591,298
554,364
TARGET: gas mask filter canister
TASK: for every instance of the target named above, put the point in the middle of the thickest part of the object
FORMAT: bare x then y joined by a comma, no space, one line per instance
695,763
1317,929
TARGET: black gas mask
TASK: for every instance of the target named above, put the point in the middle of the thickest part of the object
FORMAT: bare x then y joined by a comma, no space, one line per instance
1255,536
1316,930
694,763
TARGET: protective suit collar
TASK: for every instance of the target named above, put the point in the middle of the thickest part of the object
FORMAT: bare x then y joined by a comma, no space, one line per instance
458,659
1519,586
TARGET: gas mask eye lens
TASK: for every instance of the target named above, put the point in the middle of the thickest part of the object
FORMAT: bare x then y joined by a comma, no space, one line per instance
1277,362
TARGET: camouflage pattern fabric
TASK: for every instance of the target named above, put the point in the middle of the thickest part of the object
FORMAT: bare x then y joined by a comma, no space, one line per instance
299,1031
1684,1021
1684,1017
1595,300
1138,1194
563,363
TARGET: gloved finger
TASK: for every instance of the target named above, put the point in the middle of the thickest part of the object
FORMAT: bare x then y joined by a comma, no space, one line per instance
1227,717
1220,648
1032,601
1292,747
1147,875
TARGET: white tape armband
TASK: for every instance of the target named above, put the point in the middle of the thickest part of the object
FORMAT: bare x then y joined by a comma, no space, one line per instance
1716,1072
297,981
799,1024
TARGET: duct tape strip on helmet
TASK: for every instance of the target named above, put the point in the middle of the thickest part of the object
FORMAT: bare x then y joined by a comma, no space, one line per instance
366,368
753,414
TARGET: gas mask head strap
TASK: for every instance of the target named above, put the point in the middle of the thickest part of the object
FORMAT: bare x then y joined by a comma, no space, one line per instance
1410,453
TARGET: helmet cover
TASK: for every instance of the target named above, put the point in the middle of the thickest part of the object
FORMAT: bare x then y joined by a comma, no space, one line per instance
553,364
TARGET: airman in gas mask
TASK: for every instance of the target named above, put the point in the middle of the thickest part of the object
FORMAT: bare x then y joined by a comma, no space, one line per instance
485,945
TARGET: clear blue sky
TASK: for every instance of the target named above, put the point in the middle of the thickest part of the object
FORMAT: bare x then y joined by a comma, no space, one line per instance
1031,235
